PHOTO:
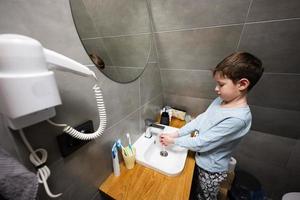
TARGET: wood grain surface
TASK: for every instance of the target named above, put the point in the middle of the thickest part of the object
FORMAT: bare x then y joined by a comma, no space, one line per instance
144,183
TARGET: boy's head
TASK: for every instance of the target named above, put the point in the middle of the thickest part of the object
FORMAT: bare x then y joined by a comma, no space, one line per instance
240,67
99,63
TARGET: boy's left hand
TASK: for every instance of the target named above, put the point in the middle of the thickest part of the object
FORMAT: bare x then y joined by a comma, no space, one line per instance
166,139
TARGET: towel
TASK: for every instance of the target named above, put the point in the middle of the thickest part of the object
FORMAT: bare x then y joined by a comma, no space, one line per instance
16,182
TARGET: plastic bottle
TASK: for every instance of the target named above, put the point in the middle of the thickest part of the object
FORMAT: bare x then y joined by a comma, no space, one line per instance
115,159
164,118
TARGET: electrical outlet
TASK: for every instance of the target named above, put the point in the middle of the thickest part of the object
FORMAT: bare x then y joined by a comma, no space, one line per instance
68,144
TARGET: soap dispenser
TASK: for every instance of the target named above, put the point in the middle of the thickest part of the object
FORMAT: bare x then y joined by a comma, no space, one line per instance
164,119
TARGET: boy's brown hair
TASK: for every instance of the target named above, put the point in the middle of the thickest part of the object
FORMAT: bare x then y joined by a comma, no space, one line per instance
99,63
241,65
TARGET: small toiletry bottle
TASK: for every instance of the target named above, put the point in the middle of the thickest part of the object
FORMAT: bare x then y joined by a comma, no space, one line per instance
164,118
115,159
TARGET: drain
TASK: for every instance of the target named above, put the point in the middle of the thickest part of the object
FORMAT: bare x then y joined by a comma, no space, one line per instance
164,153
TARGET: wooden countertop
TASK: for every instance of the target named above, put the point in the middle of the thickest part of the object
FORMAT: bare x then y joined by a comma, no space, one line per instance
144,183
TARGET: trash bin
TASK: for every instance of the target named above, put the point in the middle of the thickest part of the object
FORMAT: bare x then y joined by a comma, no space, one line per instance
246,187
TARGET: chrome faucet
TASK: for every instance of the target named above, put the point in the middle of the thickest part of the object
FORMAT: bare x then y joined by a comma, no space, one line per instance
152,128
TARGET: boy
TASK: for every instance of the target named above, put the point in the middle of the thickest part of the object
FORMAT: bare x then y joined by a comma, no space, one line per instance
223,124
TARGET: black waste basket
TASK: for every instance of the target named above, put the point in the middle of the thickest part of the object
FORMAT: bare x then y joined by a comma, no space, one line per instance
245,187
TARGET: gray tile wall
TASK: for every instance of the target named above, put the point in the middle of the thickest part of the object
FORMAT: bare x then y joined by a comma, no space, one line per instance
193,36
118,17
274,160
130,51
79,175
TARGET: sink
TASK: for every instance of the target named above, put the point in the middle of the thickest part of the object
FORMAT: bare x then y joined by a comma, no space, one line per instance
149,154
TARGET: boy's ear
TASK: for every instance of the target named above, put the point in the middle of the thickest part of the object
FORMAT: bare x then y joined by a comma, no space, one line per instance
243,84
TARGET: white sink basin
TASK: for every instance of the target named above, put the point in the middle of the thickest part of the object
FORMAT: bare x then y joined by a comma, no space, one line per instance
148,154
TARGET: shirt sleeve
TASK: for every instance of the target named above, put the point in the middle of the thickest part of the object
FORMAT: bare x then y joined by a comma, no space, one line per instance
194,124
226,131
191,126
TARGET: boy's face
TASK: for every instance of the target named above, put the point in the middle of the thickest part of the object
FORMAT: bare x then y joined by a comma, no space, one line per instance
227,89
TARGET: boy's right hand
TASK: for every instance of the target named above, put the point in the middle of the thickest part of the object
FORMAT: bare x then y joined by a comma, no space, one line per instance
173,134
168,138
165,139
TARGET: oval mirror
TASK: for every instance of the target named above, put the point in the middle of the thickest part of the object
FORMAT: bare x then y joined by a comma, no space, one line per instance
116,34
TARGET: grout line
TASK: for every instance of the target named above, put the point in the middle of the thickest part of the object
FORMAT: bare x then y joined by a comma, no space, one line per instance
275,108
164,97
140,97
206,98
106,52
273,20
95,195
115,66
269,73
127,116
290,154
127,67
166,69
199,28
116,36
251,105
157,61
154,43
153,98
140,119
98,33
140,102
121,120
281,73
242,32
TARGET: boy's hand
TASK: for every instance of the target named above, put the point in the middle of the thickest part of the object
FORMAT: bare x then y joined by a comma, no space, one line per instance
166,139
174,134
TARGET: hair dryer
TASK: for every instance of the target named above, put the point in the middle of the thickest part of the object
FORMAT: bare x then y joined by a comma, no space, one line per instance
28,90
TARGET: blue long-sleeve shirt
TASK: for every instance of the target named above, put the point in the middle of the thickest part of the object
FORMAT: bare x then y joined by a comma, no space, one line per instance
220,130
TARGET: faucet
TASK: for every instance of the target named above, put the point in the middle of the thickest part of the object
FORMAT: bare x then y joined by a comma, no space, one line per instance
152,128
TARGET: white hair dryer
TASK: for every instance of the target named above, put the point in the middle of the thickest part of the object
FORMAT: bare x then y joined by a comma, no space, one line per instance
28,90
